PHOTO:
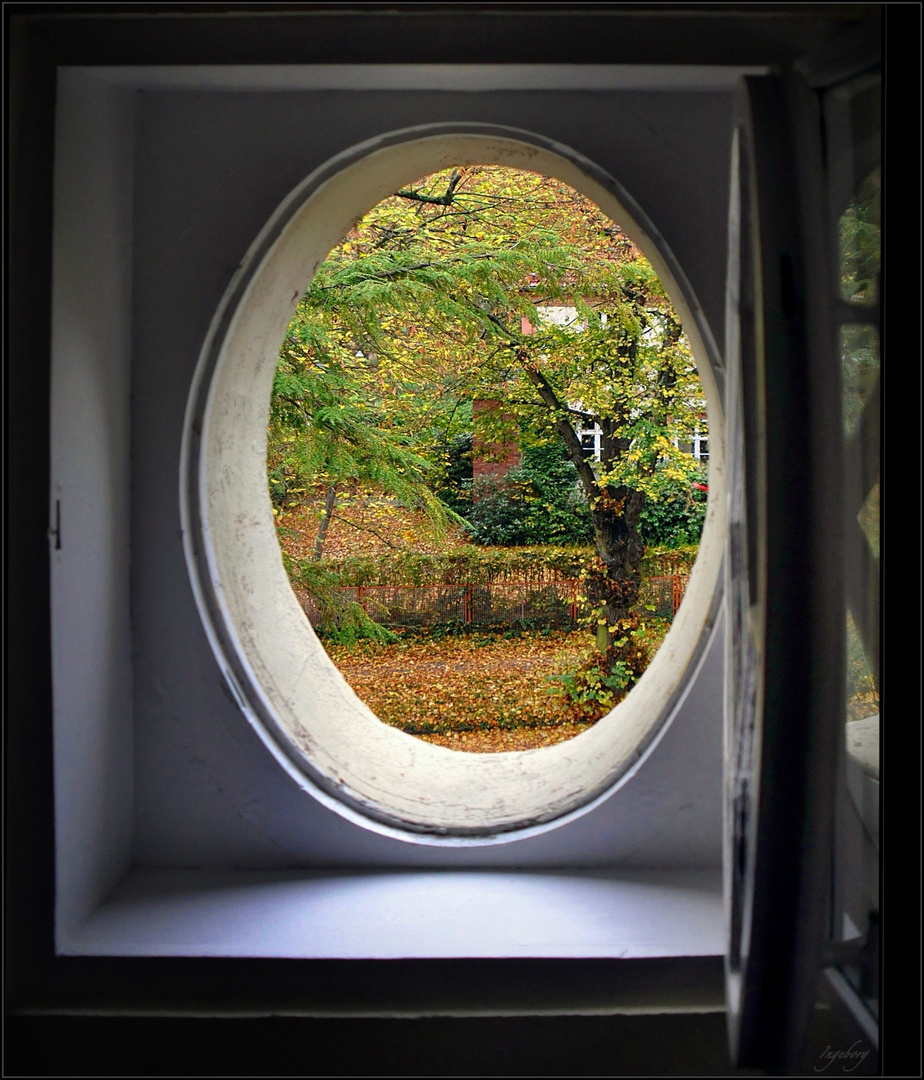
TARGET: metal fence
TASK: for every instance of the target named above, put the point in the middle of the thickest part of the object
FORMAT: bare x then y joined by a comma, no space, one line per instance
663,594
553,604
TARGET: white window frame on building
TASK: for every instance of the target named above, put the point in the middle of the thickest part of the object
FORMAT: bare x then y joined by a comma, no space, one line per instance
700,445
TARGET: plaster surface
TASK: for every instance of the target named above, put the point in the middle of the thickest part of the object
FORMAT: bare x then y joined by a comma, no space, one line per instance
211,170
410,915
90,494
208,170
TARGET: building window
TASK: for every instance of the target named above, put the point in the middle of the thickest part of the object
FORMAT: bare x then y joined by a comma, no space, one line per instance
592,441
700,446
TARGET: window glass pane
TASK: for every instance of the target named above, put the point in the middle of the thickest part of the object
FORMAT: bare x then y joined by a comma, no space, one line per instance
856,916
862,690
860,244
869,519
859,370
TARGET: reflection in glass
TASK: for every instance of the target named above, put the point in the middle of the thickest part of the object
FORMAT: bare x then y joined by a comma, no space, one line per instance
857,855
868,519
859,370
862,689
860,245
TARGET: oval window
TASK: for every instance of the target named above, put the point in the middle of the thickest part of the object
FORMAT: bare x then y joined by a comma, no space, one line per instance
487,459
305,711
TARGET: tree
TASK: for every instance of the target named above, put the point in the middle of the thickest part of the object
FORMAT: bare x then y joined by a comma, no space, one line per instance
326,430
436,297
538,502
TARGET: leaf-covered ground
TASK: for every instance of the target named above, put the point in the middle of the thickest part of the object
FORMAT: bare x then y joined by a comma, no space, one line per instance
362,525
864,704
478,693
484,693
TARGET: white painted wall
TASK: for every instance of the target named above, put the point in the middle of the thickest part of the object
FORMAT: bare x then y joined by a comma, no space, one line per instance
90,594
208,169
423,914
211,169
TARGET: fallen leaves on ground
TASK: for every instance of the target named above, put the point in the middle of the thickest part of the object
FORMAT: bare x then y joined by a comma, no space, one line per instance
498,741
362,526
863,705
480,693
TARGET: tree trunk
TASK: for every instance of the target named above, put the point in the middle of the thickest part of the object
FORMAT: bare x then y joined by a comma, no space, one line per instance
620,548
614,511
329,504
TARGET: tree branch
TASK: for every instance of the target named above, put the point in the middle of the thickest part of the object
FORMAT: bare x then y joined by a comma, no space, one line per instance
497,322
384,275
434,200
581,413
324,523
565,408
564,428
366,528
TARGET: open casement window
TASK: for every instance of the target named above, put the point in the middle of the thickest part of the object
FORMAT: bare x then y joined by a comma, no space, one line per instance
785,572
852,114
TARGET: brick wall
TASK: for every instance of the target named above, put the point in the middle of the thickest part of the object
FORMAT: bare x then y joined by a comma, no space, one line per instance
492,459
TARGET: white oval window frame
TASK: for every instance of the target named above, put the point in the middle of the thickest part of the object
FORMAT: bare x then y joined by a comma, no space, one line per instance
300,705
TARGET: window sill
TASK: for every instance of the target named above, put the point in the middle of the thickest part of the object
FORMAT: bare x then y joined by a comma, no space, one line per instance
408,915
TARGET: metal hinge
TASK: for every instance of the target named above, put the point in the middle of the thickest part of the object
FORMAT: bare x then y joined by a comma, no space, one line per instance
861,953
54,531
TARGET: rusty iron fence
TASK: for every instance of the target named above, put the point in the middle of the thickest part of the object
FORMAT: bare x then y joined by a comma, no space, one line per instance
552,604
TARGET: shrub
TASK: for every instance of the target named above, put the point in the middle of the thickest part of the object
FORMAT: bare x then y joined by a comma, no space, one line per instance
539,502
604,680
466,566
454,485
351,624
674,512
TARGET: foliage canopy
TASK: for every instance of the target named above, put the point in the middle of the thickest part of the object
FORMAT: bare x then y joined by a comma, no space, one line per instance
493,284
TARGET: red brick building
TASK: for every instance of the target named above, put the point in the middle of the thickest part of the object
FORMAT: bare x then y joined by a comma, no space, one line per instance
493,459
